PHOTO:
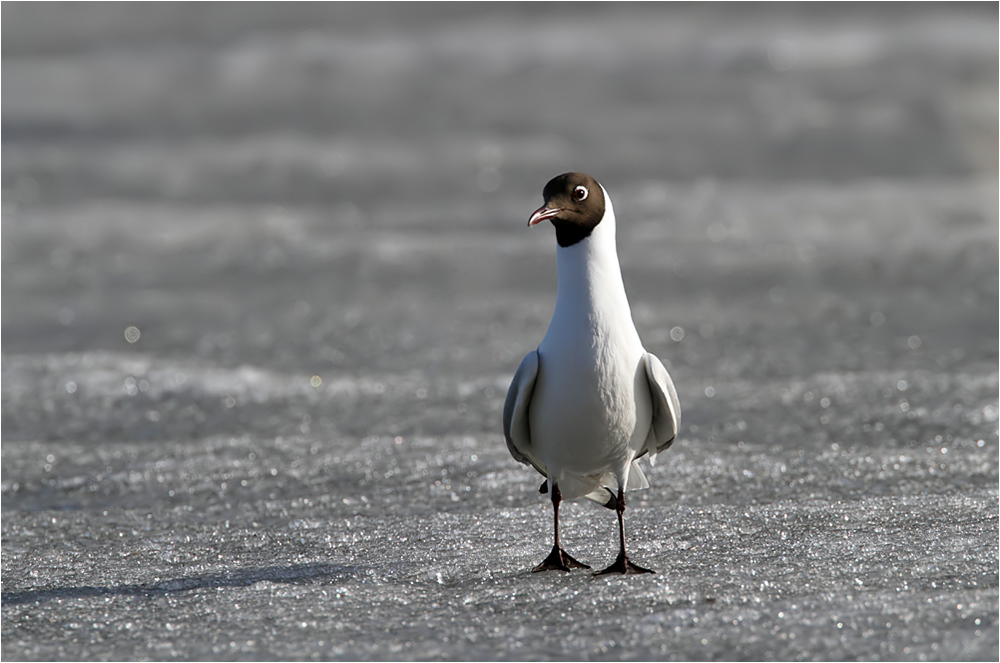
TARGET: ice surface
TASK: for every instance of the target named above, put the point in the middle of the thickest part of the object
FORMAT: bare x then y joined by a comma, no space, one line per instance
314,215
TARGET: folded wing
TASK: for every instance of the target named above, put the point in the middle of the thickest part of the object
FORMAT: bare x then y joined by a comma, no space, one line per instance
666,406
515,409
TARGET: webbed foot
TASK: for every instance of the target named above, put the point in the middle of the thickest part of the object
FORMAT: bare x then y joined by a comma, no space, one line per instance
624,566
559,560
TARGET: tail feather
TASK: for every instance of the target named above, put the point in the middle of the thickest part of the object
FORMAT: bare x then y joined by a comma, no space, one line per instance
636,479
606,493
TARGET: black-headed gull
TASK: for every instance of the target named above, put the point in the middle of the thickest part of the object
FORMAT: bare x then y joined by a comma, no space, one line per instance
590,400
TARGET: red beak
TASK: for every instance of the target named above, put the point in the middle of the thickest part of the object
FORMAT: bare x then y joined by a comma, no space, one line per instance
541,214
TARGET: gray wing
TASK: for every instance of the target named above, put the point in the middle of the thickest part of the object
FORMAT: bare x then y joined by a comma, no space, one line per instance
666,405
515,409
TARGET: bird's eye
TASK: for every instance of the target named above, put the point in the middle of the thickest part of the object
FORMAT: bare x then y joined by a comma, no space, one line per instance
580,193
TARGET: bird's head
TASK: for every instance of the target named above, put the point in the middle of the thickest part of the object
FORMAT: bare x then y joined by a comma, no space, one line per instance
574,203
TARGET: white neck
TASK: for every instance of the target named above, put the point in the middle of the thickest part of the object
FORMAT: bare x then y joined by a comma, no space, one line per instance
591,294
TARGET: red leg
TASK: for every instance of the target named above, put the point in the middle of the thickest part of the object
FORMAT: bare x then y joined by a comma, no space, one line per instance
558,559
622,564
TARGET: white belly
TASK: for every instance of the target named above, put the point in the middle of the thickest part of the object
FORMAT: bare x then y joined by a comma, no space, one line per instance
587,415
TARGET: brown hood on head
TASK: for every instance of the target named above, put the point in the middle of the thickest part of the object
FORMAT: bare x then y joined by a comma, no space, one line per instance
574,202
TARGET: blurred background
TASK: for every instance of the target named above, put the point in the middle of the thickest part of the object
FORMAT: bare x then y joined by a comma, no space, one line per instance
224,178
267,263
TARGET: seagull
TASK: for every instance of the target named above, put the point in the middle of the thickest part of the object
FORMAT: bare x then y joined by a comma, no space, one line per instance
590,400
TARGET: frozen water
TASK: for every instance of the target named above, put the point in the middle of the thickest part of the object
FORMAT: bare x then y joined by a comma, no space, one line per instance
314,217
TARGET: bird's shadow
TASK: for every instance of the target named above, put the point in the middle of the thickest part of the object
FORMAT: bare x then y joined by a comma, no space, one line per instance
295,574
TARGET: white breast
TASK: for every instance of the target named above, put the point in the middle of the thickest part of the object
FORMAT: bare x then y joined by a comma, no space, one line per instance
587,415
